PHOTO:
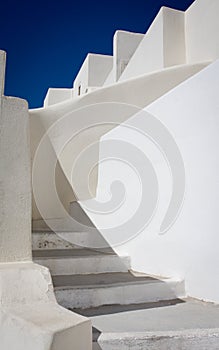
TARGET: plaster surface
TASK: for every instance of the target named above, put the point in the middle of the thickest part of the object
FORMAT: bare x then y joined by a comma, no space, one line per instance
188,325
83,124
165,80
55,95
124,46
93,73
30,317
190,315
15,185
201,28
162,46
187,250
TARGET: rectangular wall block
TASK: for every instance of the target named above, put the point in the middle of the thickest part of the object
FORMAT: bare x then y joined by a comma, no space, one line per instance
202,28
162,46
15,177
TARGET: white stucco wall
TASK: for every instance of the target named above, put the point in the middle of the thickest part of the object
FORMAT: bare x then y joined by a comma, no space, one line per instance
93,73
81,81
189,112
88,117
99,68
56,95
110,78
30,317
163,45
195,129
15,186
174,49
124,46
188,250
202,28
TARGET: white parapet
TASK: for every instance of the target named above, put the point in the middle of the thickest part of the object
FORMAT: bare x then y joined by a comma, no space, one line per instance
55,95
93,73
202,28
15,186
162,46
124,45
30,317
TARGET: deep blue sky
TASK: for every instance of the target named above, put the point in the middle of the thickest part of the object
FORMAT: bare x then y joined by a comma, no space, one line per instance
47,41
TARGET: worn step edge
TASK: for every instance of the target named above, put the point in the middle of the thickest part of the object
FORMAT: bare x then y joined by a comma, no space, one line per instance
68,253
195,339
126,293
114,309
103,286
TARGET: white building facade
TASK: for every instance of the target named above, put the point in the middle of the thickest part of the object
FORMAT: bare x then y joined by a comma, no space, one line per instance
126,161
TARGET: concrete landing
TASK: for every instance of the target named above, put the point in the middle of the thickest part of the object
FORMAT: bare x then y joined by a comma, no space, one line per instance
187,325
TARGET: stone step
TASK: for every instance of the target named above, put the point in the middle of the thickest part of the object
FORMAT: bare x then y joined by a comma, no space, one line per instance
47,239
50,240
121,308
188,324
84,291
112,309
80,261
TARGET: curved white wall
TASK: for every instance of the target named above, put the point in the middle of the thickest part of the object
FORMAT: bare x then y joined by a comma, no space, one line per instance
115,104
180,101
189,248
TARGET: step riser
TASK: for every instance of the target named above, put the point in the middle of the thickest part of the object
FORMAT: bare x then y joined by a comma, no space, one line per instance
162,342
121,294
91,239
64,240
49,240
85,265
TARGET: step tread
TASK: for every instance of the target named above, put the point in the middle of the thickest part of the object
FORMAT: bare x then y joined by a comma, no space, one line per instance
119,308
67,253
189,315
100,280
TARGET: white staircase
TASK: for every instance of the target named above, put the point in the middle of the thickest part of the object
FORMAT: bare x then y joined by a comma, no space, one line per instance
127,309
87,280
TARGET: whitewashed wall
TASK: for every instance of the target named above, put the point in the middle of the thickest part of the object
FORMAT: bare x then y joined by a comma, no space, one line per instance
15,186
99,68
162,46
30,317
93,73
56,95
189,248
202,28
124,46
59,124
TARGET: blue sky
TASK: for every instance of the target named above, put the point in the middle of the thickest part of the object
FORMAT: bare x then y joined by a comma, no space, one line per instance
47,41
